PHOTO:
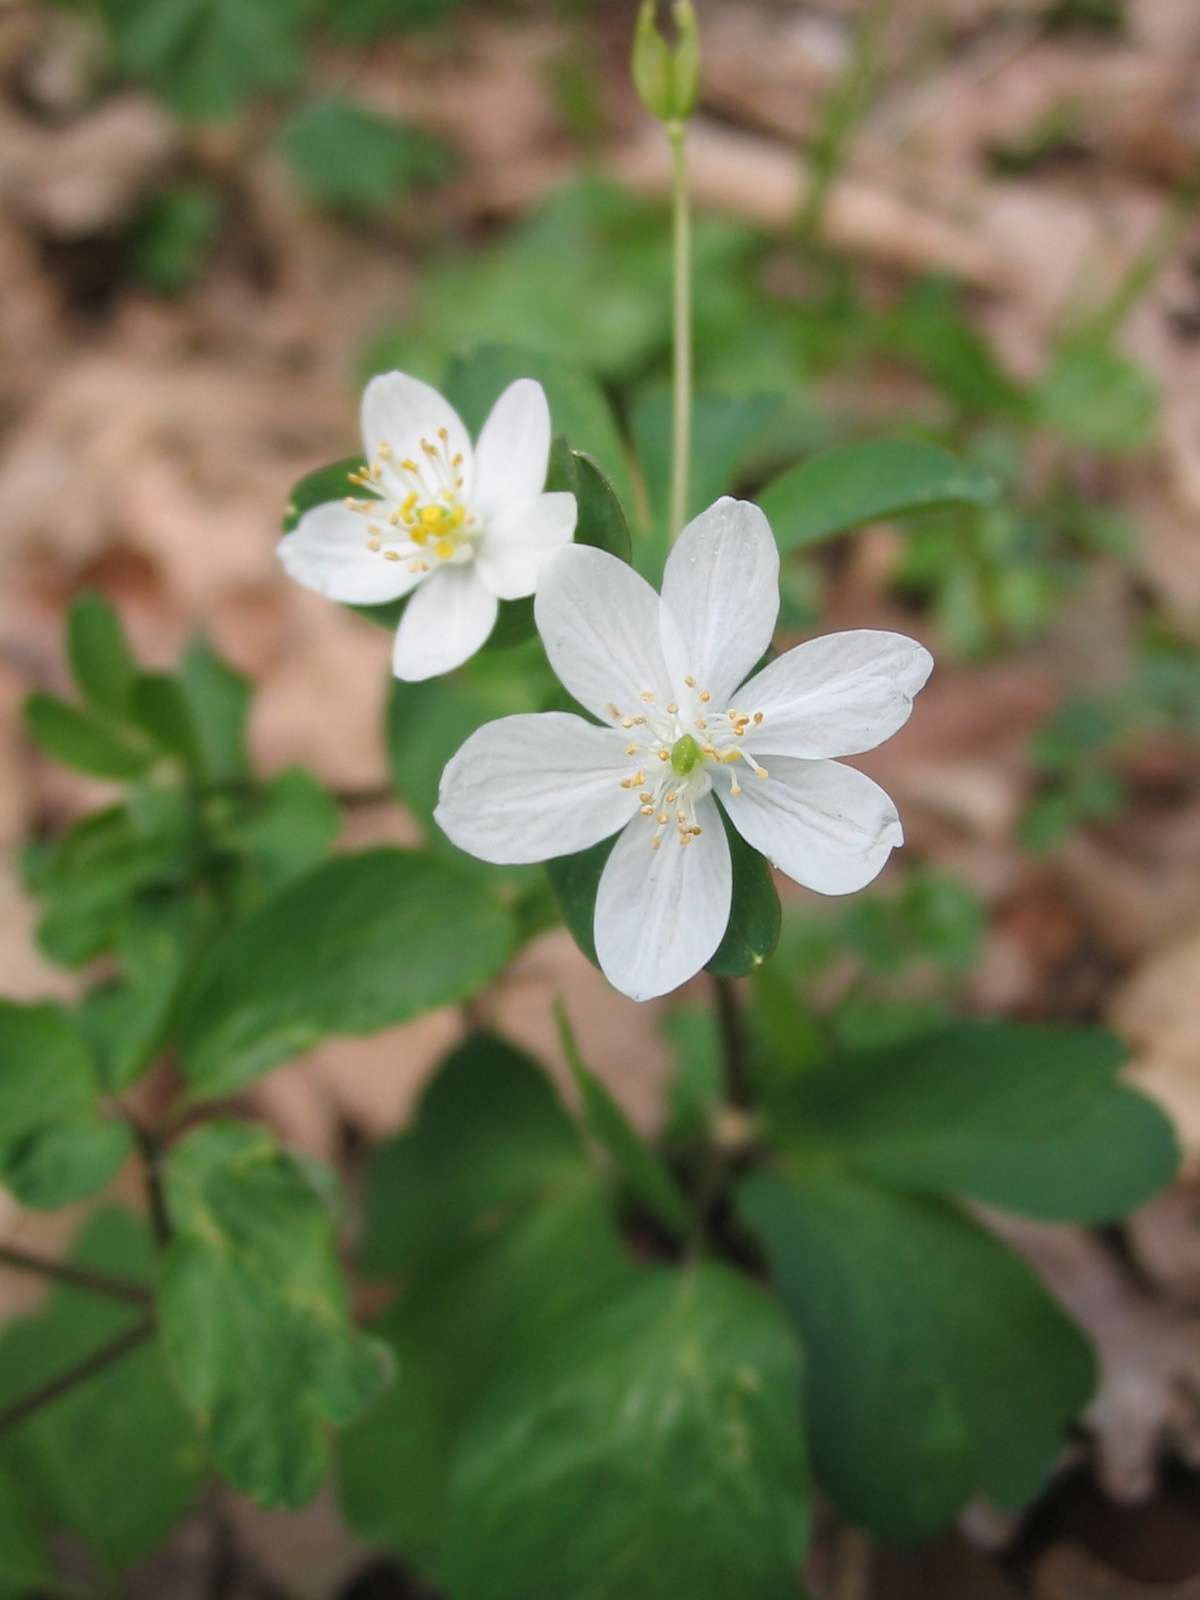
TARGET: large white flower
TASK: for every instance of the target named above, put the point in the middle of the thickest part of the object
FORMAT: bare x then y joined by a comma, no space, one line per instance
687,729
466,528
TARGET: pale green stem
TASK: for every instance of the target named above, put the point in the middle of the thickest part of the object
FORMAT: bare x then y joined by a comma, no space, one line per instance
682,437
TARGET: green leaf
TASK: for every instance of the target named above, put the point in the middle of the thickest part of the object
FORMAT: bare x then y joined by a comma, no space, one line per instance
359,20
646,1177
320,487
363,942
1099,398
576,882
938,1365
862,482
254,1314
116,1462
650,1447
755,917
173,236
601,521
287,829
349,158
578,406
1027,1118
25,1564
102,663
218,700
55,1146
81,740
490,1136
159,706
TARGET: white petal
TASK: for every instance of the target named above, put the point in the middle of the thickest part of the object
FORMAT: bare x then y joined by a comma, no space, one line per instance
827,826
660,914
513,450
721,593
530,787
599,622
327,551
837,695
444,624
400,412
517,542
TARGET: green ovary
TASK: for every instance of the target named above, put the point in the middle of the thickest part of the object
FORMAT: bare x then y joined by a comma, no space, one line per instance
685,755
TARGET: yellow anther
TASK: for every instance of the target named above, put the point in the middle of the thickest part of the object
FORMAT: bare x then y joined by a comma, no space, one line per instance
758,716
646,799
431,516
613,712
663,818
736,787
691,682
761,772
702,725
647,811
385,451
458,516
626,722
647,695
391,555
457,462
429,449
376,470
732,755
739,730
672,708
373,531
631,749
409,501
445,549
409,464
373,544
351,503
655,842
671,797
639,722
443,435
705,697
664,755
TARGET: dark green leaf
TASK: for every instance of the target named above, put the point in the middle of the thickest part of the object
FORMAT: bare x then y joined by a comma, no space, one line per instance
254,1314
862,482
101,661
350,158
358,20
754,915
82,740
67,1161
173,236
287,829
1030,1119
938,1365
218,699
1100,398
116,1461
159,706
490,1136
601,521
639,1168
320,487
650,1447
363,942
24,1559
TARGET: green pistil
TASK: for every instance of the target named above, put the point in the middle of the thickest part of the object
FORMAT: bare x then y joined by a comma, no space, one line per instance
685,755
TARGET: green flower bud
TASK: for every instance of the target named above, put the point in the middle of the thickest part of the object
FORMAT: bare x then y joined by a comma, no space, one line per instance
667,76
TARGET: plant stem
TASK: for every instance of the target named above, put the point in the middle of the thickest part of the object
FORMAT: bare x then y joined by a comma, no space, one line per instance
682,227
733,1042
156,1198
75,1277
21,1410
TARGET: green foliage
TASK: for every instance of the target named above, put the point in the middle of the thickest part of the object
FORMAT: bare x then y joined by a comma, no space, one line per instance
56,1144
83,740
938,1365
648,1448
218,702
358,20
115,1462
254,1313
1098,398
24,1558
601,522
363,942
754,912
1075,757
349,158
173,236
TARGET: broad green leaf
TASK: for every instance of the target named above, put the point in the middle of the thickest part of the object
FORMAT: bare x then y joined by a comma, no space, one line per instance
102,663
1027,1118
1100,398
83,740
637,1165
159,706
490,1136
862,482
287,828
116,1462
464,1321
360,943
358,20
320,487
254,1315
218,699
348,157
754,914
174,234
55,1145
601,521
25,1565
578,406
649,1447
938,1365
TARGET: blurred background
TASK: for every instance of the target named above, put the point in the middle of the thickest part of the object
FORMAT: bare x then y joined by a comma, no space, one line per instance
971,221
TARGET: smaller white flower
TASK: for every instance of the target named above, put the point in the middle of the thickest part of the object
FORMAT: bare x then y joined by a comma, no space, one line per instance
686,730
465,528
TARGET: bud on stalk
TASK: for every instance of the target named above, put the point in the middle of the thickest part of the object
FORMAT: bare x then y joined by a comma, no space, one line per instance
666,76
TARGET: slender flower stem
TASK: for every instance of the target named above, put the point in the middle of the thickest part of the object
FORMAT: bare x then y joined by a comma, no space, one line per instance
75,1277
156,1198
682,438
21,1410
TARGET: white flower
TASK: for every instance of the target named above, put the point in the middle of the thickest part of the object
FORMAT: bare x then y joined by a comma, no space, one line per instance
687,730
464,528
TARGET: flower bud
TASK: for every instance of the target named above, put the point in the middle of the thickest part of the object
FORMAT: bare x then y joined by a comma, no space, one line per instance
667,76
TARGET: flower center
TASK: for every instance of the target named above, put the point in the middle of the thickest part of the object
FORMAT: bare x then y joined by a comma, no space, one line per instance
416,513
678,750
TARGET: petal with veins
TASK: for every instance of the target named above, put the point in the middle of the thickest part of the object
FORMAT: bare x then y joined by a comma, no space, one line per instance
400,412
445,622
327,551
530,787
827,826
599,623
660,914
513,450
835,696
517,542
720,597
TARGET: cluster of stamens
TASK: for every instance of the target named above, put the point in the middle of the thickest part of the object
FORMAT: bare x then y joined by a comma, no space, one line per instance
678,749
416,513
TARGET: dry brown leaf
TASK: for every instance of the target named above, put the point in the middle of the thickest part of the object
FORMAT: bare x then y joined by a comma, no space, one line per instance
1158,1011
1069,1573
1164,1237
